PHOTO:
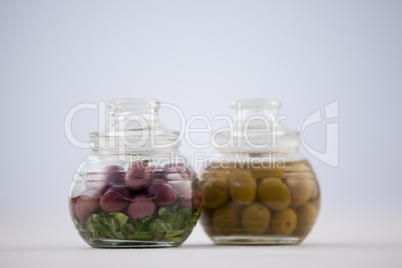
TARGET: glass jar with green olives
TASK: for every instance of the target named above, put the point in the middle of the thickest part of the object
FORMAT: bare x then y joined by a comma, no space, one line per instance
257,188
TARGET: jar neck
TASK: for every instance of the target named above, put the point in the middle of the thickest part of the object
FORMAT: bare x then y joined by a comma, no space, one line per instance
143,150
170,155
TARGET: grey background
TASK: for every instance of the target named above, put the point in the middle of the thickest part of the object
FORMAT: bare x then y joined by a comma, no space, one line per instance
200,55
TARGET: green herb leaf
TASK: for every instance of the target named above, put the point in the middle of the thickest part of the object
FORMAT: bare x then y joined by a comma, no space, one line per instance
175,219
190,218
159,227
121,218
173,233
163,211
136,230
110,227
106,225
147,220
175,225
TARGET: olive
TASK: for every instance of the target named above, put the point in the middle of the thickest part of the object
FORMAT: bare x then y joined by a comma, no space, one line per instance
306,216
255,219
315,192
268,171
242,187
300,190
284,222
215,192
226,220
274,193
299,166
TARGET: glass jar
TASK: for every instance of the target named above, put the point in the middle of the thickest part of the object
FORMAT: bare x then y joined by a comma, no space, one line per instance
134,189
257,188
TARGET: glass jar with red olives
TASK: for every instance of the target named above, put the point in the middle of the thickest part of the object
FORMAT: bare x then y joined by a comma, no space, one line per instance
135,189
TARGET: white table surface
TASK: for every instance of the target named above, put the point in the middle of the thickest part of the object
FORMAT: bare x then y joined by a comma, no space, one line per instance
48,239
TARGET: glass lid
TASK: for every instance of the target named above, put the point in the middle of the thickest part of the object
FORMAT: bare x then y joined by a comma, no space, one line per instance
257,126
134,124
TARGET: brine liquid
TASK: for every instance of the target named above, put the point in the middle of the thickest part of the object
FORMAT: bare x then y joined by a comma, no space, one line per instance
259,204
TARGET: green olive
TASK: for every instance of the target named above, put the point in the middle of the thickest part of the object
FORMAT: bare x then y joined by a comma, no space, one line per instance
274,193
306,216
242,187
215,192
255,219
219,173
284,222
226,220
300,190
267,172
315,192
298,167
